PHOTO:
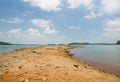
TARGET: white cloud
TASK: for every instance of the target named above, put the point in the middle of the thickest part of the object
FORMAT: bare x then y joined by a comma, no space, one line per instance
34,33
31,30
110,6
11,20
19,33
47,5
15,31
88,4
49,30
74,27
106,7
90,16
0,33
41,22
30,35
46,24
112,28
21,36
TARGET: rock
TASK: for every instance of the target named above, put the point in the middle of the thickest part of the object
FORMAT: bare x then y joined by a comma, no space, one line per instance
44,78
1,73
26,80
85,66
76,66
21,80
37,51
66,73
48,65
57,67
20,66
36,66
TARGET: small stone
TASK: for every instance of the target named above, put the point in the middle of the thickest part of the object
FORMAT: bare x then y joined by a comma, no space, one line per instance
21,80
6,71
66,73
44,78
26,80
20,66
1,73
57,67
36,51
85,66
48,65
36,66
76,66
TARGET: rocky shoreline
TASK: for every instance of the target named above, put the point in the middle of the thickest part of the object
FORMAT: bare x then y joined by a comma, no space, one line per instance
48,64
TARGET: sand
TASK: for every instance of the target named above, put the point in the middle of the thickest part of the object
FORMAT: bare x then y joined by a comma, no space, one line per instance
48,64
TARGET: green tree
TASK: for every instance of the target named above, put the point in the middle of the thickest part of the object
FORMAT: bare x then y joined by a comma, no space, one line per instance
118,42
4,43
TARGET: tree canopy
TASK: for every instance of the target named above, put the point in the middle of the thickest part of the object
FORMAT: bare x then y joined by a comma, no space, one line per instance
4,43
118,42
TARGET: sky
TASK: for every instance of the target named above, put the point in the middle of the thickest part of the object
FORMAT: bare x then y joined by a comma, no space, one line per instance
59,21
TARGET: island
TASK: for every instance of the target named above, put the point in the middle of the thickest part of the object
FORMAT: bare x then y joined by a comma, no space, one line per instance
4,43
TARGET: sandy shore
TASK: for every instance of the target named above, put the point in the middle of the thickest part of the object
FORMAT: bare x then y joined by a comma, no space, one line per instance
48,64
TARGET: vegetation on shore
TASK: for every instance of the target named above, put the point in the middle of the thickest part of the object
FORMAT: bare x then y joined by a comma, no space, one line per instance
118,42
4,43
78,43
86,43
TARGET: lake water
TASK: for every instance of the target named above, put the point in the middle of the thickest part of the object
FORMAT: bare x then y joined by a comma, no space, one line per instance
4,48
105,57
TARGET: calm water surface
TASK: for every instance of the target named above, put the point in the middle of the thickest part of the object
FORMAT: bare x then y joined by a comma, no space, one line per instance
4,48
105,57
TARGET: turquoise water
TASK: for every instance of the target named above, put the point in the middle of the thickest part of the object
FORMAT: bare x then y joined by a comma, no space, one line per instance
4,48
105,57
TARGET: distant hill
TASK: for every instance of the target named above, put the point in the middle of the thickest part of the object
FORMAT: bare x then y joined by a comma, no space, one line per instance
51,44
85,43
4,43
102,43
77,43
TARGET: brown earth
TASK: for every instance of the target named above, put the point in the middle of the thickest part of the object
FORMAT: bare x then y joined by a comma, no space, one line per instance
48,64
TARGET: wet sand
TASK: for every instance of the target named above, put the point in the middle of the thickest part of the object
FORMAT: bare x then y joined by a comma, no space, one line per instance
48,64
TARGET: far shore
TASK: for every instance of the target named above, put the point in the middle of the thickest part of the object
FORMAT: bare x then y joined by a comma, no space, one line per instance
48,64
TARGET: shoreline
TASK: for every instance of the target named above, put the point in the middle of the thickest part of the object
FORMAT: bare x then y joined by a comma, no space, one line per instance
94,67
48,64
100,66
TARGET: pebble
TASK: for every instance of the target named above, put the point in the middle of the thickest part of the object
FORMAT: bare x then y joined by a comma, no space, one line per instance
44,78
1,73
23,80
76,66
20,66
26,80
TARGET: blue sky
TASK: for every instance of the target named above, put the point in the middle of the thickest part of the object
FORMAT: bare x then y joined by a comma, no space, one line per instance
59,21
